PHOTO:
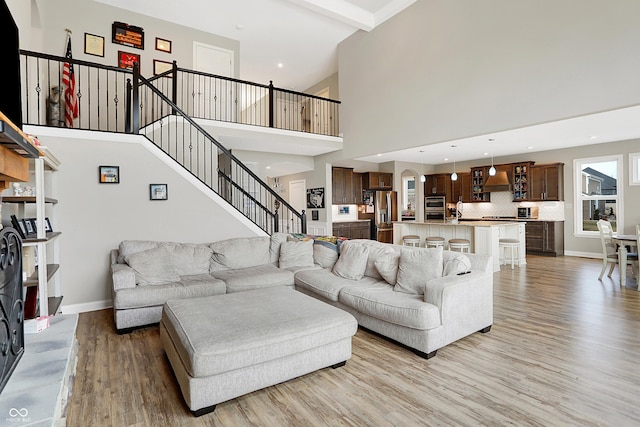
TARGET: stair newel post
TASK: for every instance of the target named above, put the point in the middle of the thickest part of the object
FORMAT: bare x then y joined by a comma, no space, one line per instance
303,219
136,98
276,219
271,103
127,115
174,88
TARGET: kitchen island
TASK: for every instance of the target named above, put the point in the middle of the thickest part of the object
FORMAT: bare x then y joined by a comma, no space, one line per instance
483,235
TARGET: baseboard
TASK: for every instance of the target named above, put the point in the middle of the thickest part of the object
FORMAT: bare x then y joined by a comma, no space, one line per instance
88,306
583,254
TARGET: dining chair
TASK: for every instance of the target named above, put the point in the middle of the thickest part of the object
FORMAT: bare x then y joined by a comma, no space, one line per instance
609,248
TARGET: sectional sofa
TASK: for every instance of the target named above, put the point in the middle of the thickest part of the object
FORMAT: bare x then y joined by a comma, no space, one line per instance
422,298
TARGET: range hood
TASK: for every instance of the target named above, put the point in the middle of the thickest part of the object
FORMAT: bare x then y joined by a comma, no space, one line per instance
498,182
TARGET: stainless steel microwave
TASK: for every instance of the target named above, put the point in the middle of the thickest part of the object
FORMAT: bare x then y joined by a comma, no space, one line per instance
528,212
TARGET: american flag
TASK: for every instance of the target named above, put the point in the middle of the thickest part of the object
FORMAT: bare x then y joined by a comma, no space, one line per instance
69,83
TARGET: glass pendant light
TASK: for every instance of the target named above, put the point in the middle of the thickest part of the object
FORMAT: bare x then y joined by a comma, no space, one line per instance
454,175
423,178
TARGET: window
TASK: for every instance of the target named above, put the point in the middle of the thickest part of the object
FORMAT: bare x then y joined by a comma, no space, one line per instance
634,169
598,191
409,193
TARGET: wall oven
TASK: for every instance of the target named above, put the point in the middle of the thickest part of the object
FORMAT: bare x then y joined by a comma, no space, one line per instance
434,208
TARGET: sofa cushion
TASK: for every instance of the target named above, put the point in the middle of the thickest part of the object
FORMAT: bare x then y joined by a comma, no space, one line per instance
275,241
189,258
381,302
186,287
128,247
454,263
352,262
240,253
324,283
387,267
261,276
296,254
153,266
416,267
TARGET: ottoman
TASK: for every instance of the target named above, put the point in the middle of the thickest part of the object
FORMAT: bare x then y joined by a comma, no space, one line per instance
224,346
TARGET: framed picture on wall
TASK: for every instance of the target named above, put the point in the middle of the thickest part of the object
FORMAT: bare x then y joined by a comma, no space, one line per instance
158,192
160,67
109,174
93,45
163,45
315,198
127,59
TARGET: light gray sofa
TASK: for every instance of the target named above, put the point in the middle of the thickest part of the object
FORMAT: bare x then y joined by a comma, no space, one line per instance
414,296
146,274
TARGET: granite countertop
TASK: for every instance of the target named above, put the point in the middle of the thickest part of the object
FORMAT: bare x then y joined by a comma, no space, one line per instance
479,223
352,220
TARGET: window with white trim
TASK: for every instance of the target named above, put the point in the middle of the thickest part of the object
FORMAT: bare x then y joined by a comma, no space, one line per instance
598,186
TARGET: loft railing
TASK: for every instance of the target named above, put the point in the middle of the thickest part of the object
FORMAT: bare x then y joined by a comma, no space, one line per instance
180,137
101,92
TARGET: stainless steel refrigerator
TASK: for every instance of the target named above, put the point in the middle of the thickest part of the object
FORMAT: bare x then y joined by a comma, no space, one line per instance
386,211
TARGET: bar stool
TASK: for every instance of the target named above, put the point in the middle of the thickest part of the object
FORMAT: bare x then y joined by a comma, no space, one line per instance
460,245
411,240
513,245
434,242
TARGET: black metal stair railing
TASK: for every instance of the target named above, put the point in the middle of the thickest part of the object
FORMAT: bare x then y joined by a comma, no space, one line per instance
179,136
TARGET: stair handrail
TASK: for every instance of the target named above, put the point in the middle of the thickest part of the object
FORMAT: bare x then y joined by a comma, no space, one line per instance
139,80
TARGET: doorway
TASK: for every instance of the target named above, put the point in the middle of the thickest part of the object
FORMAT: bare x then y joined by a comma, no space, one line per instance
213,96
298,194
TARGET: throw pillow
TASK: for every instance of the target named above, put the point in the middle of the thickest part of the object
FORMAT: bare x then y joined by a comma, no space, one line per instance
375,252
296,254
454,263
416,267
239,253
153,267
352,262
387,266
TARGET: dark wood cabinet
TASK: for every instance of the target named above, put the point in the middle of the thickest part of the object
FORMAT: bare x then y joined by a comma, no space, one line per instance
520,181
461,188
478,178
342,186
545,237
438,185
358,187
377,181
352,230
546,182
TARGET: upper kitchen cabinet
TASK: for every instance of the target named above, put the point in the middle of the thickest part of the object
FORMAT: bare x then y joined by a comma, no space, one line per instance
357,187
342,186
521,181
478,177
377,181
438,185
546,182
461,188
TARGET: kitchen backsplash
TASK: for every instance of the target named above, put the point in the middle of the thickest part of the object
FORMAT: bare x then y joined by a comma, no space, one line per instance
344,213
502,205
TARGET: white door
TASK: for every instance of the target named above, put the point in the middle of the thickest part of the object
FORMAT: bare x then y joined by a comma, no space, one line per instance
214,98
298,194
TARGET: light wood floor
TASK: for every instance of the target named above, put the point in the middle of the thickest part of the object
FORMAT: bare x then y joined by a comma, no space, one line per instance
564,351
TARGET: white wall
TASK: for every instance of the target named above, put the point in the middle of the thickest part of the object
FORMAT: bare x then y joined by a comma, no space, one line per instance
443,70
94,218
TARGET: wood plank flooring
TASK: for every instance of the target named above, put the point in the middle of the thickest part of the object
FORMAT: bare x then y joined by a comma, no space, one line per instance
564,351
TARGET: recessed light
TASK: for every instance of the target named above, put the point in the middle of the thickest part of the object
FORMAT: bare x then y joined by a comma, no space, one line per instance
268,167
280,65
446,159
592,137
486,154
378,155
530,148
239,27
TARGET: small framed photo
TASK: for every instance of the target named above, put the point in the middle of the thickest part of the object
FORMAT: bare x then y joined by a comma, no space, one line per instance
158,192
93,45
127,59
47,225
29,226
160,67
163,45
314,215
19,226
109,174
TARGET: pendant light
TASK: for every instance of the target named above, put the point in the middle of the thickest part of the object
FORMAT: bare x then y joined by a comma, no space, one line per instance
454,175
423,178
492,170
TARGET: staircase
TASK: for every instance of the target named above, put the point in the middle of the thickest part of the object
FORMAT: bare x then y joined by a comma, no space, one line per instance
163,108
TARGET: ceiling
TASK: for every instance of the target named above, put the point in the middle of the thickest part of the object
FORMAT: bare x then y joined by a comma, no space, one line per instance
303,36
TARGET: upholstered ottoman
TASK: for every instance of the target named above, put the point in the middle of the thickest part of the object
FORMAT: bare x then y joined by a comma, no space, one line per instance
224,346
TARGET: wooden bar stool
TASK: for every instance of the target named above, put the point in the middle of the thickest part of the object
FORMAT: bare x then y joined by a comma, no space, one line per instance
460,245
514,246
434,242
411,240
